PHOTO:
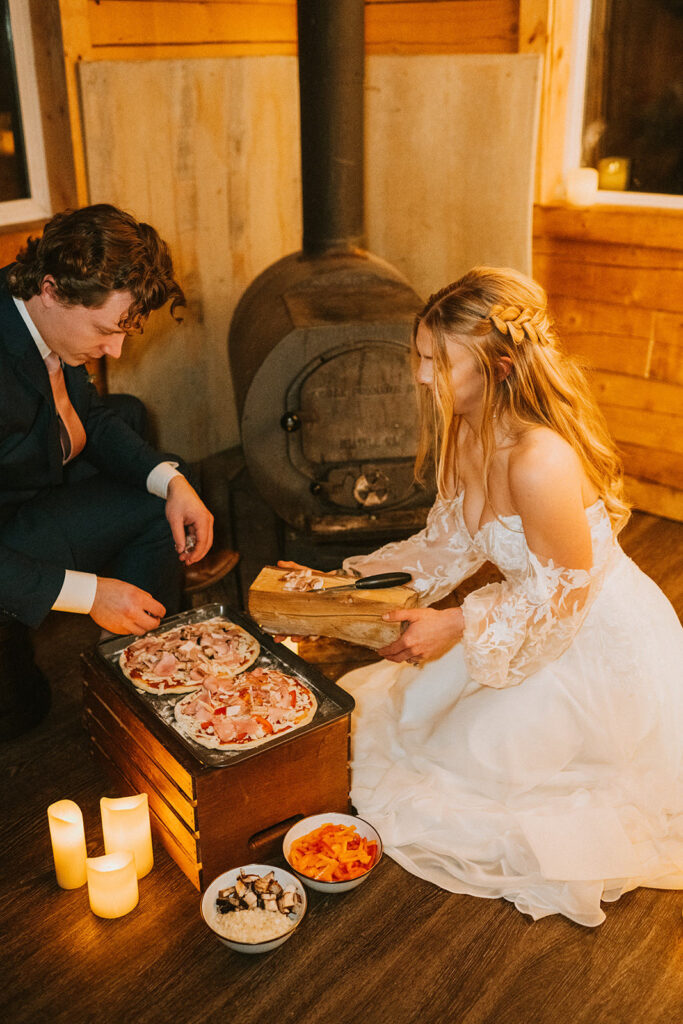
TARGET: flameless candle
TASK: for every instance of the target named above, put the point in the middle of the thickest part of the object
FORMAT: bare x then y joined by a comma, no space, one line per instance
112,884
68,843
613,172
125,826
582,186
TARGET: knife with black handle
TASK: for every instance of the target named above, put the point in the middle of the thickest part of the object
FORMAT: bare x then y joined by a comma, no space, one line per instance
382,581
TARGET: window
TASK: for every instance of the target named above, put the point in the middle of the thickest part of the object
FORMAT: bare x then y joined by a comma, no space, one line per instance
628,99
24,194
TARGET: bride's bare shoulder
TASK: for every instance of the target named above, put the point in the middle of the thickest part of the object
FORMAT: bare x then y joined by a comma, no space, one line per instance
546,481
540,458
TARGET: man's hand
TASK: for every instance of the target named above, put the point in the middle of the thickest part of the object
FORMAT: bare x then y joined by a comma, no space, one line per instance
190,520
123,608
430,634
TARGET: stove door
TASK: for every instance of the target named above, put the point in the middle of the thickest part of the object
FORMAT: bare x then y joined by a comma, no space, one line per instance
352,423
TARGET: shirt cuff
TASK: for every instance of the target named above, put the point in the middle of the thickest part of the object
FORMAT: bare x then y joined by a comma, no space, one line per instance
160,477
77,593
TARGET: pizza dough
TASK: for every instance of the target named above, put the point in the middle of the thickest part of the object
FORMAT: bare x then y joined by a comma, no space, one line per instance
235,714
184,658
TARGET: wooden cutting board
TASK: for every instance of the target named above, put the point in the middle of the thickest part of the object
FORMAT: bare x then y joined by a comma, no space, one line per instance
352,615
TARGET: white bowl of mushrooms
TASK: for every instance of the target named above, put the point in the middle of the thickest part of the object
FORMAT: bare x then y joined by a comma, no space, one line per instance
254,908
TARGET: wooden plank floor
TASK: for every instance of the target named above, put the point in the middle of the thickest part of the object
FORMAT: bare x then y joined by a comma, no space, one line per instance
394,951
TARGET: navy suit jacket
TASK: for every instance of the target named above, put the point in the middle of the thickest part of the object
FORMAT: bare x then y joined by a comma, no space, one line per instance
31,454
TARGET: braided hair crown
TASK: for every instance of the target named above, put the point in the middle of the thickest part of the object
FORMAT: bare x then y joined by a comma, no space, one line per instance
527,323
488,299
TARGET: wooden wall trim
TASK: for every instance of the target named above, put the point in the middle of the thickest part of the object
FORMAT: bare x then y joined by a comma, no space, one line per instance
163,23
441,26
136,29
639,226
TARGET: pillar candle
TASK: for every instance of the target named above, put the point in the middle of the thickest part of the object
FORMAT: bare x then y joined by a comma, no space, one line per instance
68,843
613,173
125,826
112,884
582,186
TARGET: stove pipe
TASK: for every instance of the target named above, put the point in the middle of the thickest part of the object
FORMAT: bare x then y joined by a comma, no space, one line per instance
331,71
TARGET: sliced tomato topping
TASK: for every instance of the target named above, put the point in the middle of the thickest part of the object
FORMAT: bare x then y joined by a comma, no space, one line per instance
264,722
221,710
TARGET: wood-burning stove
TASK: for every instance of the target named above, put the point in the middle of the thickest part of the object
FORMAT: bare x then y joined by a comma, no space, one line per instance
320,342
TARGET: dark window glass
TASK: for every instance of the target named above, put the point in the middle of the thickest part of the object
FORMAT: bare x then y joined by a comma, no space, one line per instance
14,182
633,115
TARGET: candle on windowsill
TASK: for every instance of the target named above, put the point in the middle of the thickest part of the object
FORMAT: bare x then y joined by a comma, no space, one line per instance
125,826
112,884
68,843
581,186
613,173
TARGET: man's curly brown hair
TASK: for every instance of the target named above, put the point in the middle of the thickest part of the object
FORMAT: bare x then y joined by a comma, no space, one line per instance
94,251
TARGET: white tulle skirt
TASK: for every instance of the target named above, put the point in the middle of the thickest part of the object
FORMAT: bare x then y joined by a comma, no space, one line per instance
555,794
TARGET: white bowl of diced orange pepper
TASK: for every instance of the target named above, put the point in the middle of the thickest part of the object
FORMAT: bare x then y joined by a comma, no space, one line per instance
332,852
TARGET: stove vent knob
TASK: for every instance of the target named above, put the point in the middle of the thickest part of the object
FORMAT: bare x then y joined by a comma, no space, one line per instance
290,422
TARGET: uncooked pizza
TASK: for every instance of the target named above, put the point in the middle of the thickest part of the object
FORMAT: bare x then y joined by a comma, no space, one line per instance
184,658
234,714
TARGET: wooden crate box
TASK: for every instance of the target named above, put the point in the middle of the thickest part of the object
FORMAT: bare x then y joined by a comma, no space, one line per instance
210,819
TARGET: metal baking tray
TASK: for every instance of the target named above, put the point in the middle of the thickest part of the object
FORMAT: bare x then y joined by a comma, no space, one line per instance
333,702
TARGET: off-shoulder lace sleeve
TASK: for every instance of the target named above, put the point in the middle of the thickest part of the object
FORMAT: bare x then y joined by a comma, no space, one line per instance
515,627
439,557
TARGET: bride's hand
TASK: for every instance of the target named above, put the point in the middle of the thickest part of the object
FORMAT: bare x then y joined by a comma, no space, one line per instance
430,633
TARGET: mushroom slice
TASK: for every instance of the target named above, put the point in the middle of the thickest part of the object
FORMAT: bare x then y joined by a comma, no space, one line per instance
261,885
226,904
286,901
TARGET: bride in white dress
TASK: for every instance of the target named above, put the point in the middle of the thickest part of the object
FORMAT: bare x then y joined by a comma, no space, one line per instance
528,744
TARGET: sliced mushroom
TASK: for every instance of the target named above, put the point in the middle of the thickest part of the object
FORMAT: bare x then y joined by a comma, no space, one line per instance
286,902
262,884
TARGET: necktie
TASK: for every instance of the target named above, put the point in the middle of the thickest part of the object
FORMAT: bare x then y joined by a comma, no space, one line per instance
71,432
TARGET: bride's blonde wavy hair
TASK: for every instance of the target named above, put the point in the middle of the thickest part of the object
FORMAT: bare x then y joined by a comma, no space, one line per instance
498,312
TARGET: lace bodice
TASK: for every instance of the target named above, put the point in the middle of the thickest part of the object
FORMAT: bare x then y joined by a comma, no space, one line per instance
514,627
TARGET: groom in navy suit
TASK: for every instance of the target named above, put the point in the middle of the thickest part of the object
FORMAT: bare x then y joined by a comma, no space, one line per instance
92,519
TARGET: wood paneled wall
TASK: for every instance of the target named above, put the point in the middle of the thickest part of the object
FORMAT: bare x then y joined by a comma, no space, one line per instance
162,29
615,281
